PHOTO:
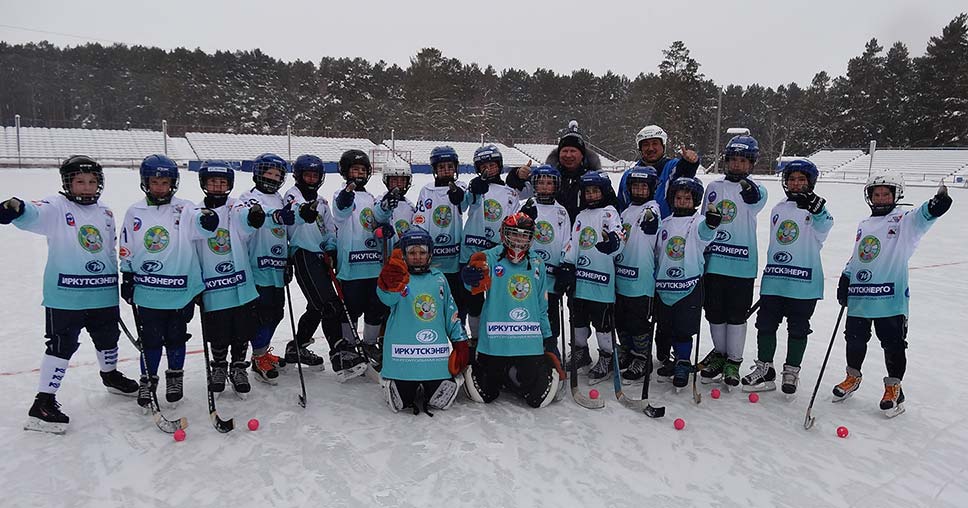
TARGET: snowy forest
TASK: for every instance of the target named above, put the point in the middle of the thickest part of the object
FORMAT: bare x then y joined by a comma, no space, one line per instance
886,94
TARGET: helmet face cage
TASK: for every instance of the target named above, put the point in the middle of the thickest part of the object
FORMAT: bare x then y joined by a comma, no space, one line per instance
393,170
740,146
215,169
416,240
693,185
75,165
488,153
264,163
541,173
808,169
642,175
310,164
444,154
517,239
351,158
595,179
159,166
892,181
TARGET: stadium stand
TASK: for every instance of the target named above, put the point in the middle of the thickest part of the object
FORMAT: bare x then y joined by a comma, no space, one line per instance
246,146
928,165
40,145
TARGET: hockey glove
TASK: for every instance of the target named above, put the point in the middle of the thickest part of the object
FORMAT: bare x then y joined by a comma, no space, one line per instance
257,216
750,192
345,197
284,216
460,356
127,287
208,219
455,194
650,223
713,217
308,213
809,201
11,209
564,278
479,186
529,209
842,290
940,203
394,276
287,273
329,257
477,275
610,242
390,199
383,231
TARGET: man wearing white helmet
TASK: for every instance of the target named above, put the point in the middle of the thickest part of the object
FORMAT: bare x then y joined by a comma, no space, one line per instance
651,142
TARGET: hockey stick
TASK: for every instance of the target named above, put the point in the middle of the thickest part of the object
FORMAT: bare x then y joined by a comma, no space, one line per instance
164,424
292,324
753,309
809,419
637,405
220,425
370,372
696,396
580,398
650,410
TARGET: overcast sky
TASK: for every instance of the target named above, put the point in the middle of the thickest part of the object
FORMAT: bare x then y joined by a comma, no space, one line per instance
741,42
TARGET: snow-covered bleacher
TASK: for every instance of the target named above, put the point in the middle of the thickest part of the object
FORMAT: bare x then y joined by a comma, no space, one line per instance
929,165
236,147
830,160
41,144
419,152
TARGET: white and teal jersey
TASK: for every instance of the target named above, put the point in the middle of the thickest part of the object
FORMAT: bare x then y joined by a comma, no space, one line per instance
224,257
443,220
878,267
635,266
422,318
269,245
793,265
485,214
679,256
157,247
82,263
400,218
318,236
514,320
360,253
733,252
594,271
551,230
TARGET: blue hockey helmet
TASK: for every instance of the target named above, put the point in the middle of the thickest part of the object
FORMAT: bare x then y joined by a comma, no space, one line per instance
308,163
744,146
443,154
691,184
642,174
488,153
264,163
158,165
804,166
595,179
545,171
416,236
216,168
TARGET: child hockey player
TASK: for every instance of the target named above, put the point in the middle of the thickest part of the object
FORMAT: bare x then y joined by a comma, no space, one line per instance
417,371
229,313
439,211
635,272
312,249
874,284
360,258
731,266
80,283
679,271
268,253
488,203
397,177
793,277
595,241
160,273
516,348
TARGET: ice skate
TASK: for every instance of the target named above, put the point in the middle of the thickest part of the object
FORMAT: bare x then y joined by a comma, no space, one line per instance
711,368
115,382
637,370
265,369
305,356
665,371
681,373
602,370
892,403
731,374
791,378
762,379
347,361
45,415
848,386
220,371
239,377
174,381
146,387
582,357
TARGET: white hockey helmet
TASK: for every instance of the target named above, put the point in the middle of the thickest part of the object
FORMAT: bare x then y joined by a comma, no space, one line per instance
890,179
651,132
397,167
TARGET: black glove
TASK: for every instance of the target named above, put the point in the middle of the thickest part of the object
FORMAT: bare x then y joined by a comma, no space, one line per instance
384,231
479,186
344,199
287,274
11,209
940,203
308,213
284,215
471,275
529,209
390,199
455,194
713,217
127,287
257,216
331,255
564,278
650,223
609,244
842,290
750,192
208,219
809,202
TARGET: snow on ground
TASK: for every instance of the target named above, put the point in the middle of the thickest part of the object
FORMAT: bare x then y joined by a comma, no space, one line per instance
347,449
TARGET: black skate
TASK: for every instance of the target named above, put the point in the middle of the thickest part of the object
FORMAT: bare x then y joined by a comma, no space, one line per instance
239,377
581,356
731,374
265,368
680,376
791,378
174,380
115,382
347,361
45,415
711,367
602,370
305,356
146,388
640,367
762,379
220,371
892,403
374,354
665,371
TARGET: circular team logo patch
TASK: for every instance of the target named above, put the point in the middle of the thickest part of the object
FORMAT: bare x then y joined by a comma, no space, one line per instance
367,220
90,238
626,229
676,247
220,243
728,209
425,307
279,232
493,210
519,287
402,226
156,239
443,215
587,238
543,232
787,232
868,249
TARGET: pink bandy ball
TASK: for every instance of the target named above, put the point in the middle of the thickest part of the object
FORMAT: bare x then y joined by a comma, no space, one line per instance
253,424
679,424
593,393
754,398
179,435
842,431
715,393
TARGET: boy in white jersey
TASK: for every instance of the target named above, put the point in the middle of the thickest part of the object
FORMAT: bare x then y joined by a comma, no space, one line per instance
80,283
874,284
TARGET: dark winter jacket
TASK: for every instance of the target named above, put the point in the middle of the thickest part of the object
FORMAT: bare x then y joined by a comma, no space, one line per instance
568,192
